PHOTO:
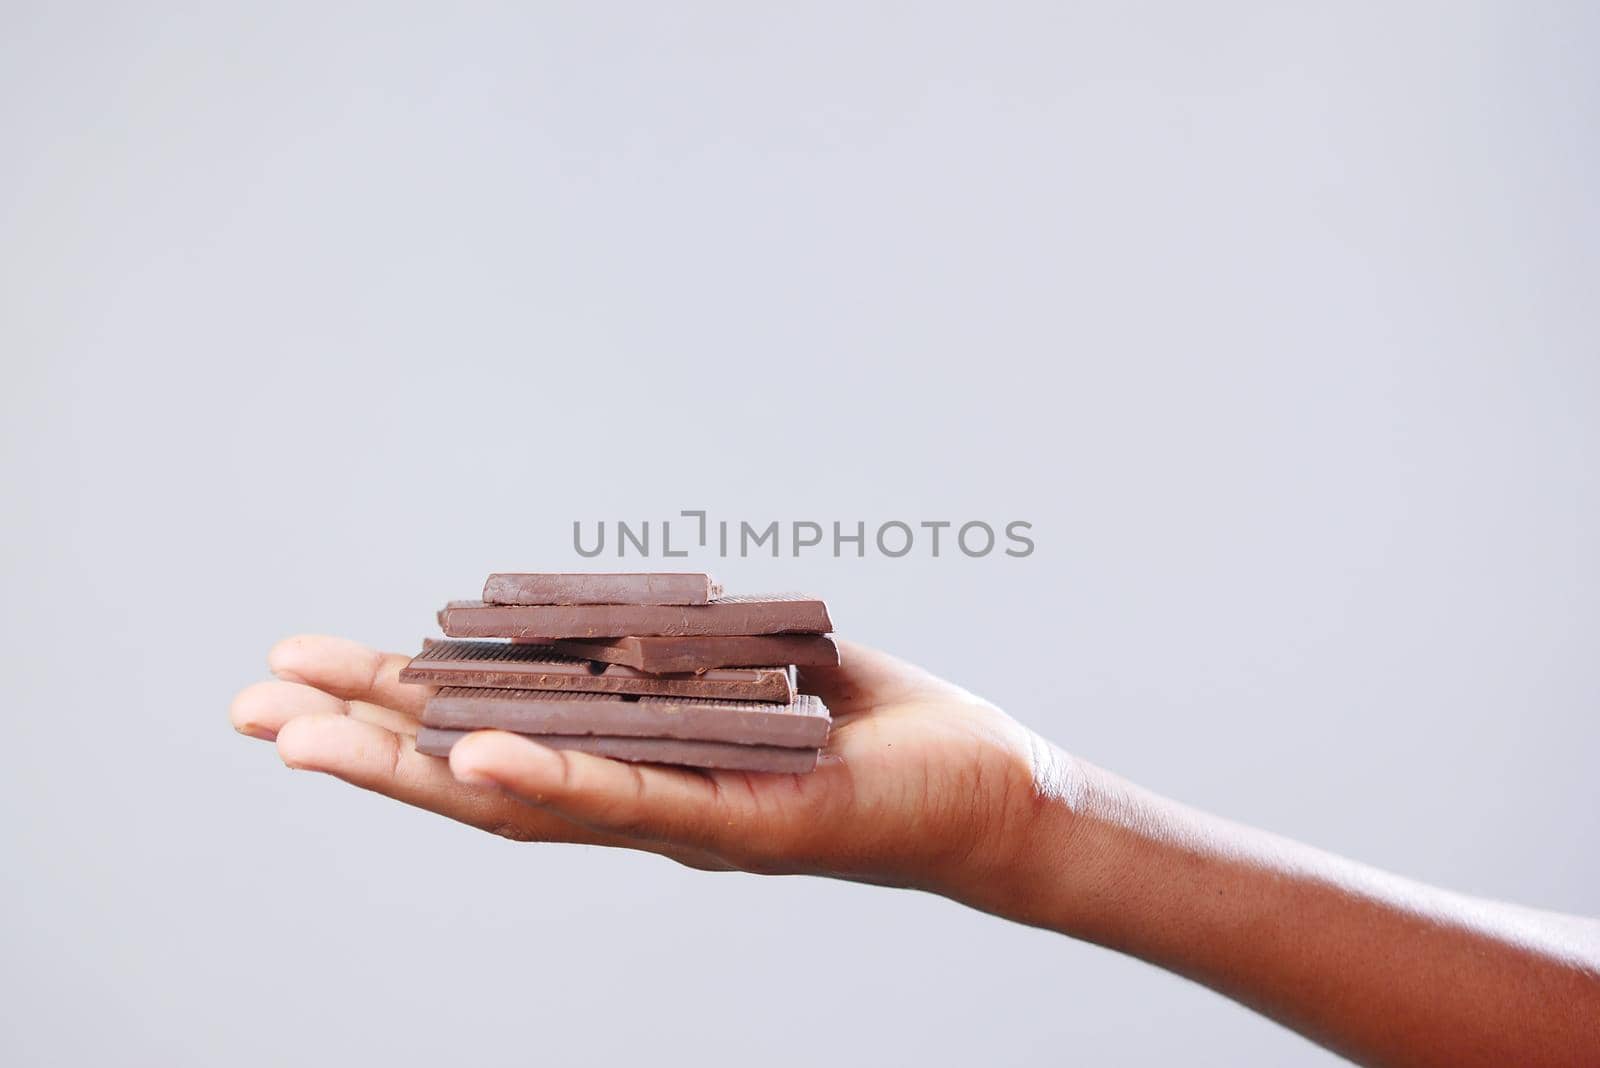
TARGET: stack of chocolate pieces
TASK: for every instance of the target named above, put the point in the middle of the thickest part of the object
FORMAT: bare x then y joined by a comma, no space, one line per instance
652,667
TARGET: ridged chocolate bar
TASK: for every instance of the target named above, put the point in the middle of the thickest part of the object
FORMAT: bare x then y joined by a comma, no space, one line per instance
722,755
704,653
778,613
615,587
803,723
539,667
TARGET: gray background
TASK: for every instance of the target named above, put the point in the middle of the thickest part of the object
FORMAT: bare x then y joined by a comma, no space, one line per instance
1279,324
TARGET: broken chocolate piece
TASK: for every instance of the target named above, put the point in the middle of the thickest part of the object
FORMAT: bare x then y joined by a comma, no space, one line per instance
803,723
539,667
704,653
751,614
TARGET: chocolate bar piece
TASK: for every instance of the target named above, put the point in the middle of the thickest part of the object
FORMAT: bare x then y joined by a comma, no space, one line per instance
539,667
804,722
576,587
778,613
701,654
436,742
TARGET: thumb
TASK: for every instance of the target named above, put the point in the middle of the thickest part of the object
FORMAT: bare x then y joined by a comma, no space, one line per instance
670,805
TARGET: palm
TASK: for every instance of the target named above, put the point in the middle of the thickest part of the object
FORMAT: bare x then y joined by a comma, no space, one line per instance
907,751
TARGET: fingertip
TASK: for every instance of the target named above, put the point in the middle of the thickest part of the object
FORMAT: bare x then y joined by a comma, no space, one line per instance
285,657
261,710
291,744
248,712
465,761
302,741
306,657
489,758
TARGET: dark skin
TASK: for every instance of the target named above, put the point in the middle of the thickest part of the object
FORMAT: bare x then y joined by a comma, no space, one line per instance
926,785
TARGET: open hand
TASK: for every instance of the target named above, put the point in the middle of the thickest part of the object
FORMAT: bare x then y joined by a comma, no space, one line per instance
921,784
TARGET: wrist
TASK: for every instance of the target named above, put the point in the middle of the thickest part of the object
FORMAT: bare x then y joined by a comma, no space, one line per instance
1054,859
1101,859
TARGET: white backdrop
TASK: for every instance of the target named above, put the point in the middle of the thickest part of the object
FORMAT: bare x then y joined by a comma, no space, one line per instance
1279,327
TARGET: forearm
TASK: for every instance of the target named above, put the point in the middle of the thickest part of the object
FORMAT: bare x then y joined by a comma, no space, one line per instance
1380,968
